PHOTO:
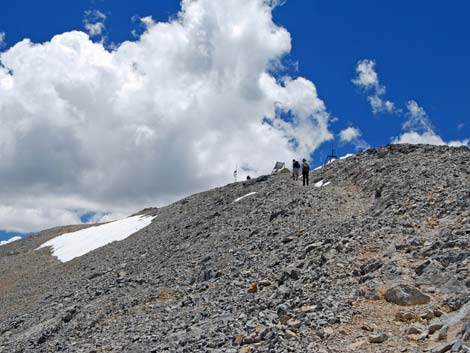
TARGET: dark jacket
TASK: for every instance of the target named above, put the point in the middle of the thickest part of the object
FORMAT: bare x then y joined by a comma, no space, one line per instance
305,168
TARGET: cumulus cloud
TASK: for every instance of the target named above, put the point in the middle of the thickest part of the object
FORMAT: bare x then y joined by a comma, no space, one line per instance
366,75
417,118
428,138
354,136
418,129
94,22
349,134
148,21
368,80
143,23
173,112
2,39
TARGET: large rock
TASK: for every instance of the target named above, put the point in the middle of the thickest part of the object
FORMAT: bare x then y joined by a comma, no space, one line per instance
406,295
378,338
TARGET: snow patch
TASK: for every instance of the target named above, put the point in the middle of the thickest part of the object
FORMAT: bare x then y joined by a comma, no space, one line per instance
321,183
335,159
347,156
241,198
10,240
71,245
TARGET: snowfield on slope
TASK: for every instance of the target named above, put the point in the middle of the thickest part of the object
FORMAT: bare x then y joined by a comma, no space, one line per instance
10,240
71,245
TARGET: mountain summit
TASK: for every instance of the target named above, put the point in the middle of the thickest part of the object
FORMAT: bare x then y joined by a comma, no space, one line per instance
373,256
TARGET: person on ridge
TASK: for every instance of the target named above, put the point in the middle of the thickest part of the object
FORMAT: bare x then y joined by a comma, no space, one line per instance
295,169
305,171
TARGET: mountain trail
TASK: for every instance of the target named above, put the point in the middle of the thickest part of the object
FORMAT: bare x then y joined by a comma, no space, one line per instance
373,256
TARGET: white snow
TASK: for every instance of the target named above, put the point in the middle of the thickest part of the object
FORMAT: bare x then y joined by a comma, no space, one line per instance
321,183
331,161
346,156
71,245
10,240
335,159
241,198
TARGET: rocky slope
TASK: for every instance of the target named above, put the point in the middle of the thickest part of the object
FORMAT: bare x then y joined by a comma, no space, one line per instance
376,261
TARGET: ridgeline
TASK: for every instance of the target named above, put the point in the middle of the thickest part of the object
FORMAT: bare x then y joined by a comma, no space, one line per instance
378,260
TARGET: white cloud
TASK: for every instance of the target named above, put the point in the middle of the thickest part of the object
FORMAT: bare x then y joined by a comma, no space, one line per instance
458,143
94,22
366,75
353,135
2,39
42,210
148,21
349,134
428,138
368,80
417,118
143,22
413,137
419,130
85,128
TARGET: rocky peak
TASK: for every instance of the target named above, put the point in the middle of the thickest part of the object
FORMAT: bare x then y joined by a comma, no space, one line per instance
375,258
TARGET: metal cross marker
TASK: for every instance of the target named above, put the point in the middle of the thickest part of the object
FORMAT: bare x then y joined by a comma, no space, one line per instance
332,156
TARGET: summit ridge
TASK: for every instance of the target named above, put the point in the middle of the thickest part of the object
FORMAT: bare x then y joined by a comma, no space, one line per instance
375,259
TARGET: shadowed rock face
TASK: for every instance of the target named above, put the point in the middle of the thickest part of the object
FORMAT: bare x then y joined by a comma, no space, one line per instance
288,269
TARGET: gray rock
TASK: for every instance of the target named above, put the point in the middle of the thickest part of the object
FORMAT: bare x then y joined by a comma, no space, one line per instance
416,329
180,285
443,347
378,338
405,295
435,327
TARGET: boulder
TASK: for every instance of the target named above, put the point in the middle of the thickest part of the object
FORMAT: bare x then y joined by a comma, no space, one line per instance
378,338
406,295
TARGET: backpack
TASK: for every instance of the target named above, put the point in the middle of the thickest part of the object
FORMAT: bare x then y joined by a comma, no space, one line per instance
305,167
296,164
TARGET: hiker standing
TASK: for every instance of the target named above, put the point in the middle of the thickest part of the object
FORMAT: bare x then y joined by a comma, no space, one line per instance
305,171
295,169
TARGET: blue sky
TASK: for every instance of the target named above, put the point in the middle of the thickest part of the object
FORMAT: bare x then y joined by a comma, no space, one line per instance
5,235
421,53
